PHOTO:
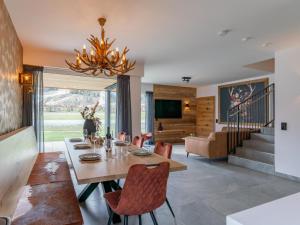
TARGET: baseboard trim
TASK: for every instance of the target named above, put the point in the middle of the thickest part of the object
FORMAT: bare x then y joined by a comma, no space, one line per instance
288,177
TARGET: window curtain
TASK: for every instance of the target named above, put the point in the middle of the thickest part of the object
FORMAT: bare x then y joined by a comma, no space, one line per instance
149,114
124,121
33,113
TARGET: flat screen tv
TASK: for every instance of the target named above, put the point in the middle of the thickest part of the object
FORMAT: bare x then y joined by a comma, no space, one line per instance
168,109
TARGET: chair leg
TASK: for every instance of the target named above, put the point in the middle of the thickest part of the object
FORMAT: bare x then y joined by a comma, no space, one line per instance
168,203
153,218
187,154
110,217
140,219
125,220
118,181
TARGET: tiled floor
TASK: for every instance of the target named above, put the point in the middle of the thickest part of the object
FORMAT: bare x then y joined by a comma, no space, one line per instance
202,195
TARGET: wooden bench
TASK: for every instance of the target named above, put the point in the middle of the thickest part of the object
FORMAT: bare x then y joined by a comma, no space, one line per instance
49,197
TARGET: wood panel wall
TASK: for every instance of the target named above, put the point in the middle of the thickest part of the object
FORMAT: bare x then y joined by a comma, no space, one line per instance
205,115
176,129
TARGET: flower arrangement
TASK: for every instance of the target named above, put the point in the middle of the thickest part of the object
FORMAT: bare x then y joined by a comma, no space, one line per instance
89,114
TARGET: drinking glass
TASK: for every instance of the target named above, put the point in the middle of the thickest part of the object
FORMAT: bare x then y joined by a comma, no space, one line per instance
127,140
94,138
85,134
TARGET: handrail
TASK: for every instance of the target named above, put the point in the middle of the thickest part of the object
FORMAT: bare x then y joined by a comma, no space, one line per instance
250,115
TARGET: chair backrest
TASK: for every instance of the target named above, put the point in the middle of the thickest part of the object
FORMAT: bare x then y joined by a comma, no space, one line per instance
147,136
144,189
121,136
164,150
138,141
18,152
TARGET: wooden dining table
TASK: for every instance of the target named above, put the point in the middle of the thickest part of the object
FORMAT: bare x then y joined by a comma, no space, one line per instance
112,166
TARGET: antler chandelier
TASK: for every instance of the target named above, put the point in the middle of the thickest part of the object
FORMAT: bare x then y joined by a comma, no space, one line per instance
102,59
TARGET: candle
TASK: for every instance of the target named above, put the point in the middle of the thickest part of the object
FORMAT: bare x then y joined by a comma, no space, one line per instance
84,51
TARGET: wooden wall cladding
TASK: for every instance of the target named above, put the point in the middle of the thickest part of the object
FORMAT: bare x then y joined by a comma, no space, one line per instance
176,129
205,115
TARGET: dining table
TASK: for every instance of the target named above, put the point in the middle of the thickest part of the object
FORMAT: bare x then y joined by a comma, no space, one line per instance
112,166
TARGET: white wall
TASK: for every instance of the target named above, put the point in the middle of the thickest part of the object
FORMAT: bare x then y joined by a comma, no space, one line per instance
287,100
212,90
146,87
135,90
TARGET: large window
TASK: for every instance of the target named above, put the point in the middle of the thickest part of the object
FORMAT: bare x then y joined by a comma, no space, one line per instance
62,108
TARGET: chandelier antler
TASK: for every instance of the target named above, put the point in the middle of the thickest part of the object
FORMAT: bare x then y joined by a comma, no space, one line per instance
101,59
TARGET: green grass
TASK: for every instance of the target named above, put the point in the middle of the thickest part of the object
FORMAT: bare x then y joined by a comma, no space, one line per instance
57,131
60,135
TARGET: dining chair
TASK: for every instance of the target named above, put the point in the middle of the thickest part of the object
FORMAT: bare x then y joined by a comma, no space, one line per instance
144,191
146,136
138,141
121,136
164,150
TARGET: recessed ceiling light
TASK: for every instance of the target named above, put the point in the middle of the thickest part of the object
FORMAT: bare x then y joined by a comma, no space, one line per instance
224,32
267,44
245,39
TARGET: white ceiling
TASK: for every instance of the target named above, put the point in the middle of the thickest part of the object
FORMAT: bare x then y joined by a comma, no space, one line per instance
174,38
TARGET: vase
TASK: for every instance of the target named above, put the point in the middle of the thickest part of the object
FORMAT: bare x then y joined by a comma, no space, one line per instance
90,126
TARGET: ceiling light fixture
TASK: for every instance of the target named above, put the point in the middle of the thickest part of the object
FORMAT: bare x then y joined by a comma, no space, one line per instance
245,39
267,44
186,79
224,32
102,59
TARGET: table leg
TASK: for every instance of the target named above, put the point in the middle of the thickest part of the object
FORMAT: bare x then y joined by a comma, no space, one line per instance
85,193
107,187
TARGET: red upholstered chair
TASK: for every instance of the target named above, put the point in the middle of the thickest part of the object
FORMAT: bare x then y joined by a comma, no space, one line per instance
144,191
146,136
164,150
121,136
138,141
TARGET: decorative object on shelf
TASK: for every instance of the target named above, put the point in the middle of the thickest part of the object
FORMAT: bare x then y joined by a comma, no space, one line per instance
231,95
26,80
91,123
102,59
160,127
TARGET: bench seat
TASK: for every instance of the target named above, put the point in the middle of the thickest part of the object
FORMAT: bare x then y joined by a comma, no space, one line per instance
49,197
48,168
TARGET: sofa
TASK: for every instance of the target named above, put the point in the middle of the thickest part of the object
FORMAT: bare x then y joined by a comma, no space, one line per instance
212,147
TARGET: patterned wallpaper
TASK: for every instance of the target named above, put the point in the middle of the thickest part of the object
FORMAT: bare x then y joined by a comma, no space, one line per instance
11,62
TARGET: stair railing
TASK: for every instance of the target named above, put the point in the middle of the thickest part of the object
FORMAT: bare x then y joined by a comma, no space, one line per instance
250,116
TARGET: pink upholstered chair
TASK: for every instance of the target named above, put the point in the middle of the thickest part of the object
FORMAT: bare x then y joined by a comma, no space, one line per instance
164,150
121,136
144,191
146,136
138,141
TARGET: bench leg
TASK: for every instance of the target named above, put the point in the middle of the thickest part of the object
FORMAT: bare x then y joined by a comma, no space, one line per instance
107,187
87,191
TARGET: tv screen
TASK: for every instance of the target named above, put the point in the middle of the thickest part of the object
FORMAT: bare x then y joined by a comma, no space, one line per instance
168,108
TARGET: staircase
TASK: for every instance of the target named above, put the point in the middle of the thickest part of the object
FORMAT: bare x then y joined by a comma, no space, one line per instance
250,130
257,153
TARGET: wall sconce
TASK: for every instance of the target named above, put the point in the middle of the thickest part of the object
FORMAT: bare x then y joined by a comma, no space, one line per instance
26,80
187,106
